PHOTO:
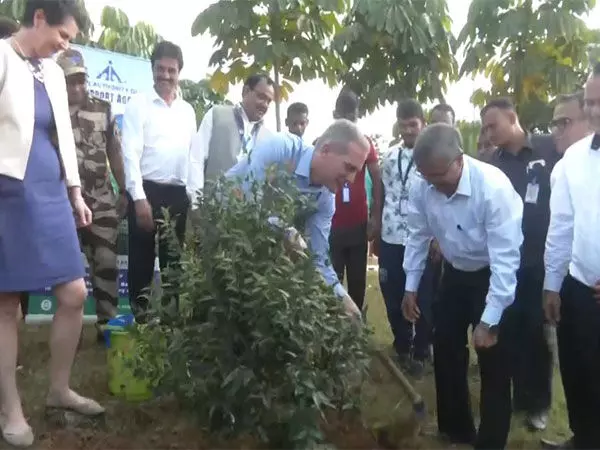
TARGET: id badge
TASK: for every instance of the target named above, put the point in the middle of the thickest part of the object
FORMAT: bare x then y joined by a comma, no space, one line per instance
346,194
531,195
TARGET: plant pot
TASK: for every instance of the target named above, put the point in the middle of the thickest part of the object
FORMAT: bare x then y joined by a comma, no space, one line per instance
121,380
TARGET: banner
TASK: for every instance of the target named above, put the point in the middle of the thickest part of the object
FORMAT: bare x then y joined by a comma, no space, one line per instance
113,77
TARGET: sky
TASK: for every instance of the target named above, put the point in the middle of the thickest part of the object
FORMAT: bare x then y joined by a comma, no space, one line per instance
174,22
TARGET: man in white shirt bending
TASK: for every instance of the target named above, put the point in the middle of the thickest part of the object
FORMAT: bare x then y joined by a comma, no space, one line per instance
158,127
572,282
474,213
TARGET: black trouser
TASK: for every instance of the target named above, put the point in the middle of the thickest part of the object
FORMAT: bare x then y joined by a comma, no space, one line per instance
579,354
460,305
531,357
392,280
348,247
142,243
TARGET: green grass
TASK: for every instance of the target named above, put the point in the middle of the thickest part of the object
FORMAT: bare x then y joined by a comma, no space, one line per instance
160,424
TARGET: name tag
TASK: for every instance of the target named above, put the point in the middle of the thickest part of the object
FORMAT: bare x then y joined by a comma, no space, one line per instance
346,194
531,195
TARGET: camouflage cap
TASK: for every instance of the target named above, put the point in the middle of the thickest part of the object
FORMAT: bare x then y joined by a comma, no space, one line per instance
71,62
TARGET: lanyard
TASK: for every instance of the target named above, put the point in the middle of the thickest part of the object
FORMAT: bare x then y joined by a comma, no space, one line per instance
403,176
244,139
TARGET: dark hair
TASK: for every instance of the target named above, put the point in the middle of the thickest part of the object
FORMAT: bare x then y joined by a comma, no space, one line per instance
297,108
444,108
574,97
8,27
409,108
504,103
256,78
56,12
347,102
596,70
166,49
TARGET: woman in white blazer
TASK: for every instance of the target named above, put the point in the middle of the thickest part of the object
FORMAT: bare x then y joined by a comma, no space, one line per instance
40,204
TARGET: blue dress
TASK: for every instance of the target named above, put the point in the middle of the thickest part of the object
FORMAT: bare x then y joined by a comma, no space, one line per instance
39,246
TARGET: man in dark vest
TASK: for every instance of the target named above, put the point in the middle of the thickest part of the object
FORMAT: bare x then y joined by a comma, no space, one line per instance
229,132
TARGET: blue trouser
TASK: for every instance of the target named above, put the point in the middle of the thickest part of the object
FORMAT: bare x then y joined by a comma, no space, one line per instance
392,280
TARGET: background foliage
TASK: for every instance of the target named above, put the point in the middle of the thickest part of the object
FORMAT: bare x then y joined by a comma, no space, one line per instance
288,39
530,51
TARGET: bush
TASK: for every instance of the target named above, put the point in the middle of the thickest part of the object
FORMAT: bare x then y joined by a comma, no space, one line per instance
260,346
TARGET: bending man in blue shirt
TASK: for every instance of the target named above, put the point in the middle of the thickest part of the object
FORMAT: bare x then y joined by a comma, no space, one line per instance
318,172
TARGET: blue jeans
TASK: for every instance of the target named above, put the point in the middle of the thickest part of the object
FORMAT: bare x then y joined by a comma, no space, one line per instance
392,280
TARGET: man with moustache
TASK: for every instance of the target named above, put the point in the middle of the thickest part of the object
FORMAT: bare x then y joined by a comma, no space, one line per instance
527,160
572,280
158,128
229,132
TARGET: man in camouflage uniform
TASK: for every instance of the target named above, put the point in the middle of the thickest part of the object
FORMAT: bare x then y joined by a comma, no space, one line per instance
98,145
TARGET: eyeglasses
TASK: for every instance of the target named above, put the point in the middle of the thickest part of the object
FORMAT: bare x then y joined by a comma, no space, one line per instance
561,124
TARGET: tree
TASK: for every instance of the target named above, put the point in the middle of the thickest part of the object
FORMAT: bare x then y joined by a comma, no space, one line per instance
469,132
119,36
530,51
289,38
200,95
395,49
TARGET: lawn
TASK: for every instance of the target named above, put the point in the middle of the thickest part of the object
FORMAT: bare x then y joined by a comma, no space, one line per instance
155,424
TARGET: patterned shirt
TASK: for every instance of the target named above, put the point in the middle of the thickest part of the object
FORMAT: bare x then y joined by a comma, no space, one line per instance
396,186
95,136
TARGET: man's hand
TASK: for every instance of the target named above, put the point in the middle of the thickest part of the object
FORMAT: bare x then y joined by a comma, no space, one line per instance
375,246
143,215
122,205
410,309
596,289
484,337
552,307
435,253
351,308
373,229
294,239
81,212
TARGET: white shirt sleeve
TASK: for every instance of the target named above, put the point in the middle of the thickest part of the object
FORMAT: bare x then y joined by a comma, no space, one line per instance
198,156
559,240
419,237
132,136
503,225
554,174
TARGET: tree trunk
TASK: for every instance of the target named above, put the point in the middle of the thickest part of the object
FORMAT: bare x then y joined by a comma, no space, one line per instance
277,96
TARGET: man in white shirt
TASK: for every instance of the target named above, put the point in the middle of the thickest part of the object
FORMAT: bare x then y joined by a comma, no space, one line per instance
228,133
474,213
158,127
569,124
572,282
